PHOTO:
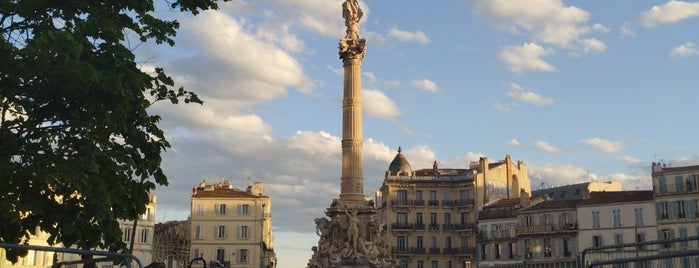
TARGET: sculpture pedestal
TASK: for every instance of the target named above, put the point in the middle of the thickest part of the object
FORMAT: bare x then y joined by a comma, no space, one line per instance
350,238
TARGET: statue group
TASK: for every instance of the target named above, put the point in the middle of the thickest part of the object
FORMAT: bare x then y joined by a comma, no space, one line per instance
351,238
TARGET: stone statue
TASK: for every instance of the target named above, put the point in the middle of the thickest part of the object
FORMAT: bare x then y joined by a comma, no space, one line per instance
352,228
352,14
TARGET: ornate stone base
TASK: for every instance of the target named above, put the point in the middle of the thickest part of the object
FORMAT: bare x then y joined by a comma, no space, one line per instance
350,238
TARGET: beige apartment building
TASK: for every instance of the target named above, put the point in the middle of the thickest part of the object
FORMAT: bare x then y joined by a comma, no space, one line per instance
230,227
676,194
547,234
429,215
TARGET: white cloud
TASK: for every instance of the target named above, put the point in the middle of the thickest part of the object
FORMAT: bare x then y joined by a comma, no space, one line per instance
417,36
603,145
514,143
553,174
630,159
593,46
550,20
425,84
625,32
688,49
519,93
500,107
547,147
376,104
670,12
392,84
600,28
526,57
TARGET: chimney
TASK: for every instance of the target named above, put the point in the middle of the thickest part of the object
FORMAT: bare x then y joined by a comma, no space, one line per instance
523,198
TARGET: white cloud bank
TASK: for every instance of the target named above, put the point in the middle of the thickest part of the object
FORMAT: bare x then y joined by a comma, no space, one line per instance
603,145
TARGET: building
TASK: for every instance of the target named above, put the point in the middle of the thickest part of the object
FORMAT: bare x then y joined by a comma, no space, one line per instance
231,227
171,243
141,235
615,218
578,190
429,215
676,194
34,258
547,234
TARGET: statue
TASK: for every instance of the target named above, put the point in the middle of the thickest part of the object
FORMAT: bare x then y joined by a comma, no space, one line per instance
352,14
352,228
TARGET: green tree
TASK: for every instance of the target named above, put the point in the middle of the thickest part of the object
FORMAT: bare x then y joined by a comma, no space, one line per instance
78,147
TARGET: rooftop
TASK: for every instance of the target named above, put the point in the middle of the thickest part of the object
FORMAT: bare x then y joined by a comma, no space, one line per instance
597,198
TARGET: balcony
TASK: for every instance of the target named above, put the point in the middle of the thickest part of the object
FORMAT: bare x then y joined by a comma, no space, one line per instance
459,251
433,250
433,226
547,228
447,203
464,226
464,202
420,226
402,226
497,235
433,203
401,203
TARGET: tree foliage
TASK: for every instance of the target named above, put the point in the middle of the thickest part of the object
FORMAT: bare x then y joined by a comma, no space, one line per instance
78,147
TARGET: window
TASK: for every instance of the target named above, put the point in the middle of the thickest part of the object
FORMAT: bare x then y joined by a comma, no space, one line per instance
145,233
639,216
220,255
200,209
418,195
546,219
220,232
146,216
433,195
402,219
127,234
497,251
402,243
683,234
402,197
447,195
464,242
662,185
616,217
463,195
244,209
435,264
243,232
196,253
619,239
418,218
527,220
667,234
243,255
679,185
597,241
528,248
447,218
433,221
547,247
563,194
420,264
197,232
567,247
595,219
640,238
433,242
447,243
662,210
484,255
419,243
511,250
680,209
220,209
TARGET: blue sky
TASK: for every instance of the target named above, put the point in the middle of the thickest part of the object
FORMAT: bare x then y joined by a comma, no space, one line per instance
578,90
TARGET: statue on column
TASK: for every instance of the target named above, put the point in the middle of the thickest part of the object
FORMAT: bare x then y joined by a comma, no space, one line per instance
352,14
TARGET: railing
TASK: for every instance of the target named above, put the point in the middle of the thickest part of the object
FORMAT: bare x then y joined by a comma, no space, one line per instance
501,234
433,226
402,226
433,203
466,177
433,250
658,253
547,228
464,202
104,256
464,226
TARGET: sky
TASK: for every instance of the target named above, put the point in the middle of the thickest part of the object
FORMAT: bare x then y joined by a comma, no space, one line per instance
578,90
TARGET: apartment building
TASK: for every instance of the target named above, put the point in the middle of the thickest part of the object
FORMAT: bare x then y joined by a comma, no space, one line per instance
497,234
676,194
547,234
615,218
231,227
141,235
429,215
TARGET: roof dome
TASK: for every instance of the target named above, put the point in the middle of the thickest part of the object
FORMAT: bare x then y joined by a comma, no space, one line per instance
400,165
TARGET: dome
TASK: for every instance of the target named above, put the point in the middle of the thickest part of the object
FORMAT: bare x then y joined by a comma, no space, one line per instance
400,165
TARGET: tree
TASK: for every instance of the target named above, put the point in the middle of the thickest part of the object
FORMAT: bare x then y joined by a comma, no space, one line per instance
78,147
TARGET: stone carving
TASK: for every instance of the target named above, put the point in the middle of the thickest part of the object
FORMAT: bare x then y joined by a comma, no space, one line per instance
343,243
352,14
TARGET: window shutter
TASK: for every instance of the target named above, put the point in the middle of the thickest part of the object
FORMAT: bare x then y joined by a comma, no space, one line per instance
239,232
216,232
225,231
240,209
216,208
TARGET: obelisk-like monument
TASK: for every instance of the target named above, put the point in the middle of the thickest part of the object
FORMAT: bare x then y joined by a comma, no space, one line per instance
351,237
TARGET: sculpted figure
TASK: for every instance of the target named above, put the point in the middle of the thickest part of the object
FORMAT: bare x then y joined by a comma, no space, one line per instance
352,228
352,14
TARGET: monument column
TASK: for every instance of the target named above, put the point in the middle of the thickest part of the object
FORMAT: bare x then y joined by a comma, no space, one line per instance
350,237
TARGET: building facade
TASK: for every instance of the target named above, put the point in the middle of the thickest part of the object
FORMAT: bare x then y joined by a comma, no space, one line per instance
580,190
231,227
547,234
141,235
616,218
171,242
497,234
676,194
429,215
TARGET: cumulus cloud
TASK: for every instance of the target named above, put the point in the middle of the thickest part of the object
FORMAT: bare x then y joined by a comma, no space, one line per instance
377,104
626,32
425,84
547,147
527,57
630,159
519,93
603,145
593,46
553,174
600,28
407,36
687,49
514,143
670,12
549,20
